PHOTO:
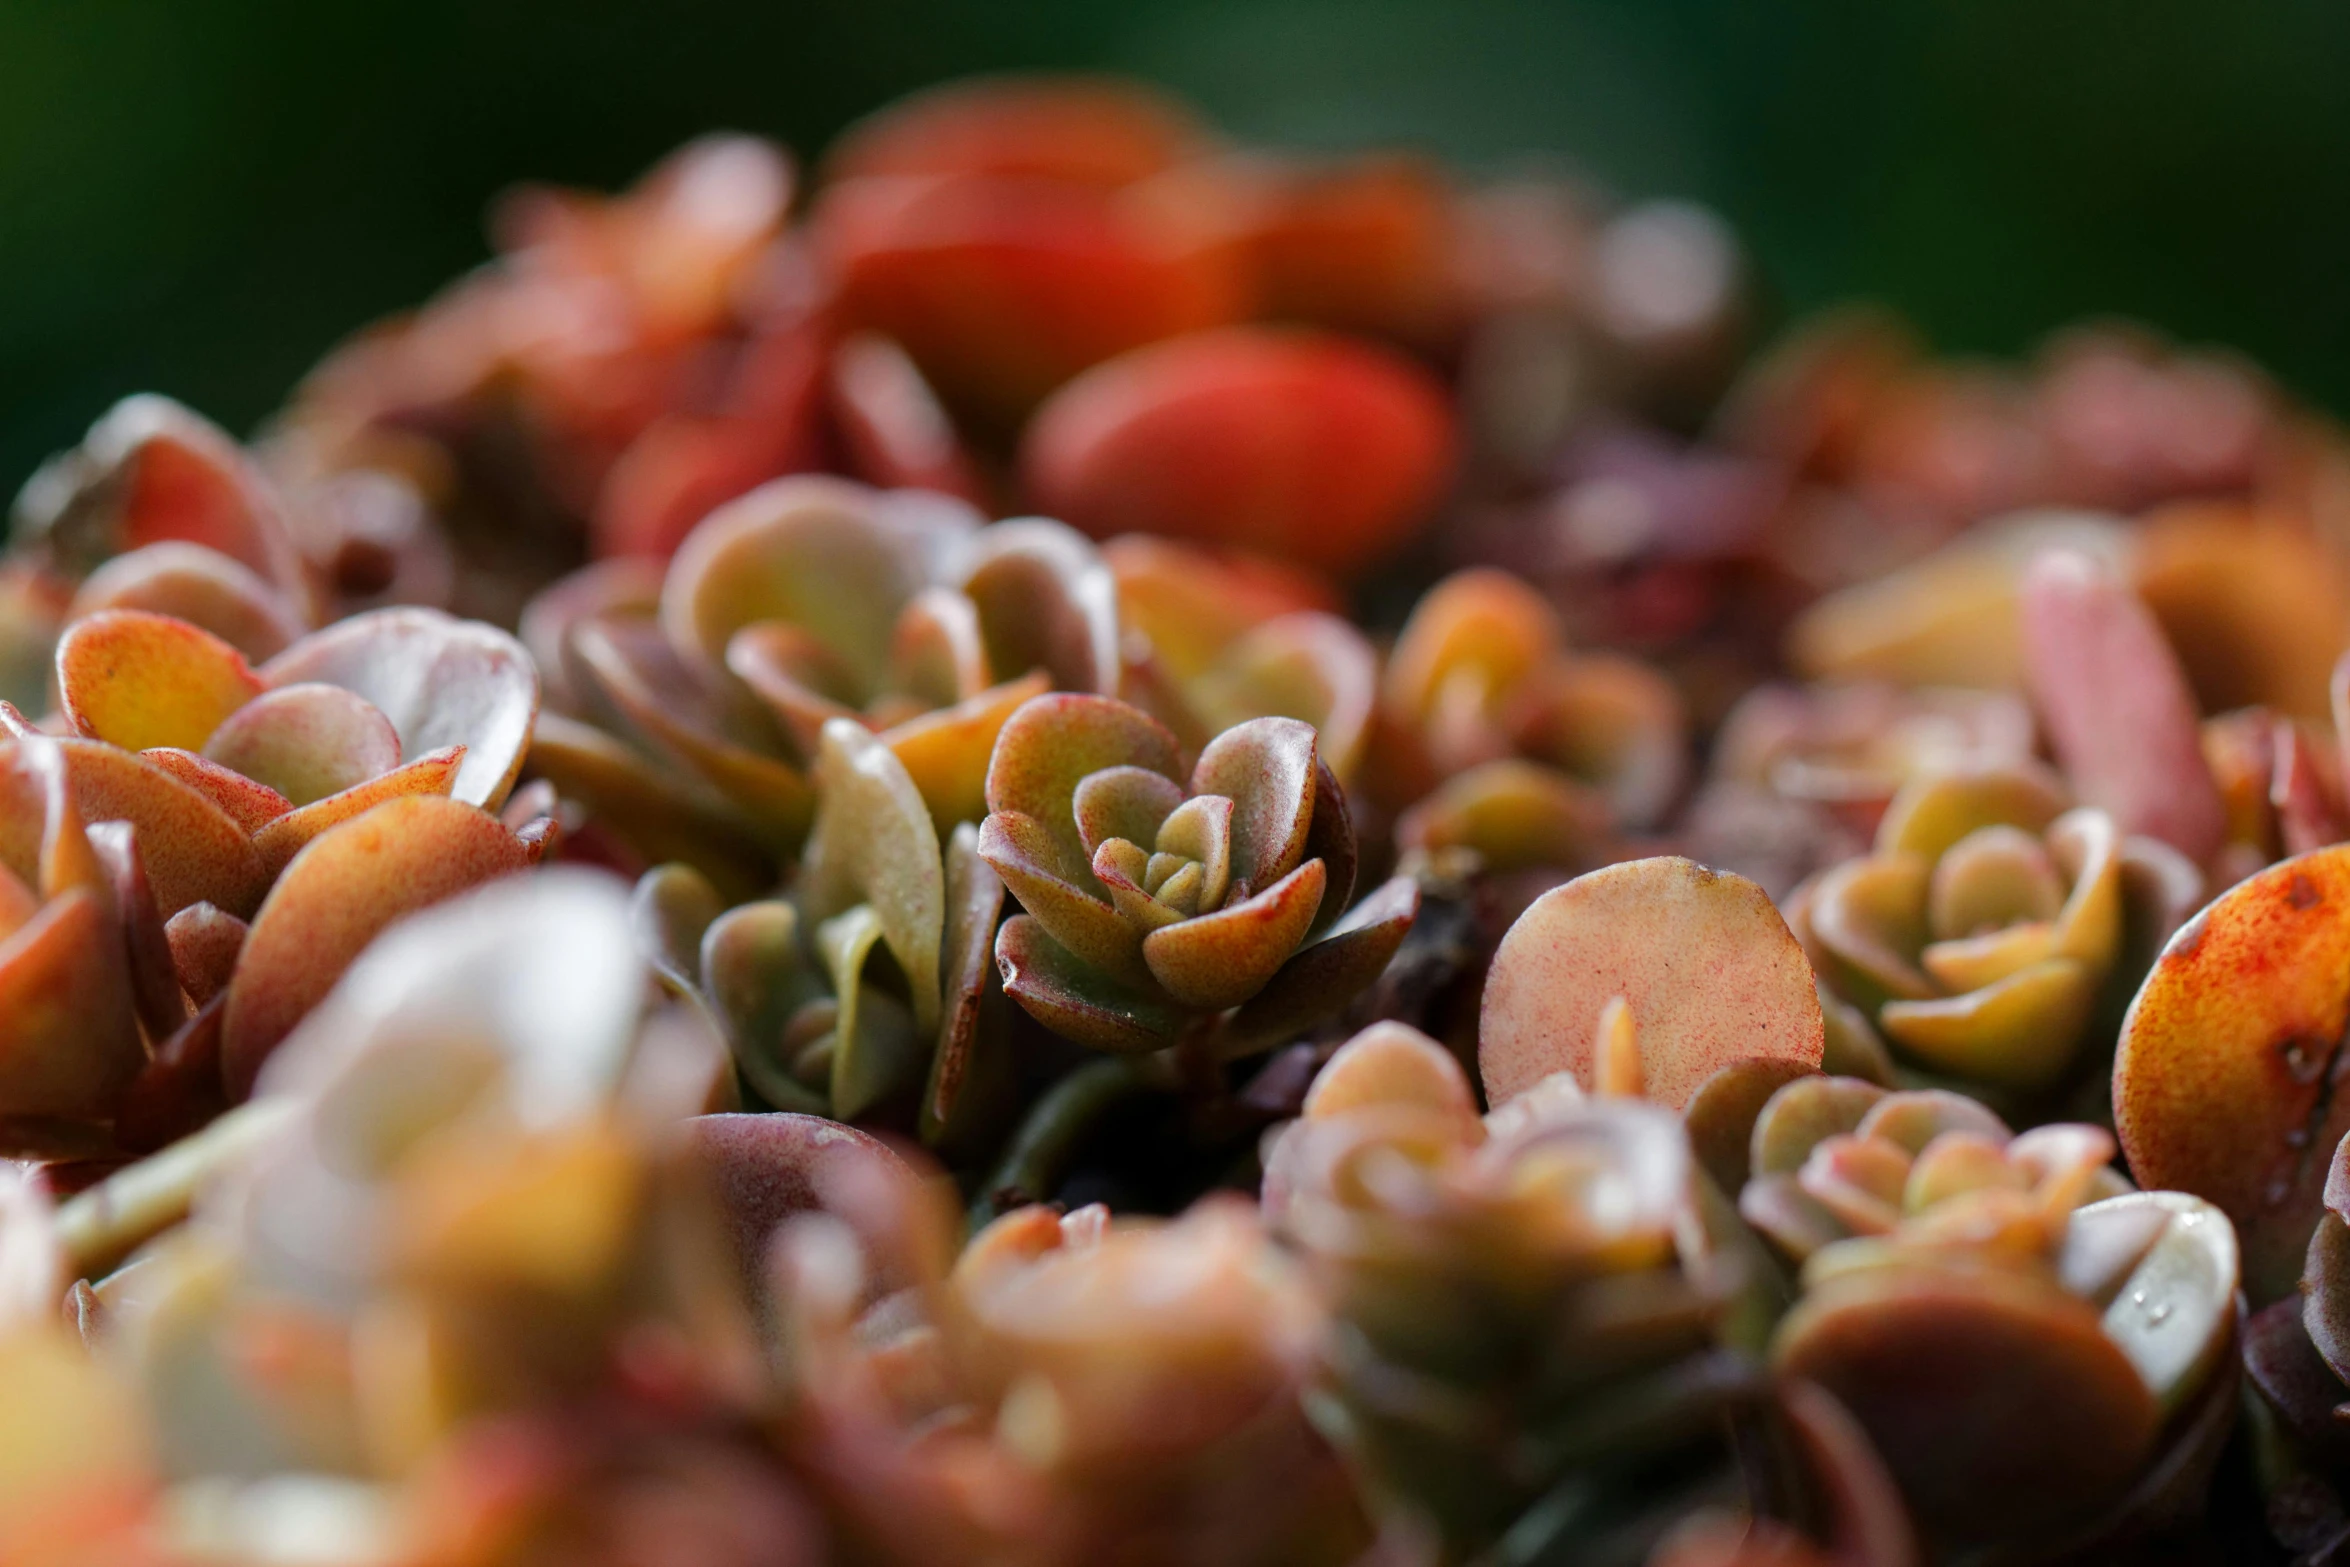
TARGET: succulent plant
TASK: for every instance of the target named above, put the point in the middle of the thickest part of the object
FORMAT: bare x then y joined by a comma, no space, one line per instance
1234,637
1981,931
1527,1345
2224,1076
805,601
872,980
1068,1389
450,1206
1155,906
1953,1273
1481,678
1313,448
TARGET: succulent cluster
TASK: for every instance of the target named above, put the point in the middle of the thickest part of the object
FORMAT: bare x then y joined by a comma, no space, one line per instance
1092,848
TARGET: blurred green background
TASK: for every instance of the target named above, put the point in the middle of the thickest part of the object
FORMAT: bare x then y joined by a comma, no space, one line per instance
198,196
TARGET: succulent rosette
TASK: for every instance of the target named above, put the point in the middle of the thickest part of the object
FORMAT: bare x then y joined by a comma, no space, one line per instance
805,601
1511,743
1953,1271
1154,903
870,981
382,1215
1068,1389
405,726
1455,1250
1980,932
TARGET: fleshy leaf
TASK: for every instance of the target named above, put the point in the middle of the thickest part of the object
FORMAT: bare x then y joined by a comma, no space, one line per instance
1266,767
1019,847
1710,972
1517,815
1073,999
877,1043
250,803
204,945
1046,600
1309,666
653,811
194,851
712,727
2223,1082
1219,960
946,752
2017,1032
151,470
1124,802
1324,976
440,680
306,741
874,843
69,1042
768,1168
971,1071
757,979
817,552
2117,706
1051,744
1481,627
671,910
334,897
281,839
137,680
200,586
1932,1362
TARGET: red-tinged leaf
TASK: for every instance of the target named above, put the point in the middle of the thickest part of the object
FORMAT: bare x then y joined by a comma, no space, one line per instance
628,586
2308,813
248,802
946,752
890,424
1001,290
769,1168
822,553
194,851
155,990
179,1089
69,1041
1323,977
1708,968
715,729
1268,768
204,944
150,470
1219,960
137,680
1318,449
971,1070
440,680
1045,600
1074,999
334,897
200,586
2225,1076
2116,704
306,741
284,837
1051,744
1019,849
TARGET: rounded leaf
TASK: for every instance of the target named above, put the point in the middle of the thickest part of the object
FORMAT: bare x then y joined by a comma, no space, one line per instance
440,680
138,680
2226,1079
1708,968
335,897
